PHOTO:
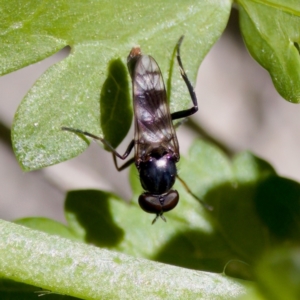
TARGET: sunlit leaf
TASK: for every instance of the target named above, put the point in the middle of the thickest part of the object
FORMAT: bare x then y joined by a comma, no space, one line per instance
87,272
271,32
100,35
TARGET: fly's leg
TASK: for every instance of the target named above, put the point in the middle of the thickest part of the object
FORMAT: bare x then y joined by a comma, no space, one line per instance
207,206
127,163
187,112
106,143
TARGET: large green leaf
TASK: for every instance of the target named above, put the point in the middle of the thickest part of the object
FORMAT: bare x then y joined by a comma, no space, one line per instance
87,272
254,210
188,239
271,30
239,227
100,34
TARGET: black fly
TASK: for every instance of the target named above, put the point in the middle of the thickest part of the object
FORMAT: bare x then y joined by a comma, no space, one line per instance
155,142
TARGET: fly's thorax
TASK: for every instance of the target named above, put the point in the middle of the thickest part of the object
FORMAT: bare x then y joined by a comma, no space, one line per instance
157,172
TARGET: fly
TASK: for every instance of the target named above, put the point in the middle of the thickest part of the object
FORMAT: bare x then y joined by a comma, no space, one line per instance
155,142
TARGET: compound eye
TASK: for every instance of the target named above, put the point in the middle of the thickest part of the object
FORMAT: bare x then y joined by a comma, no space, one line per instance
150,203
170,200
157,204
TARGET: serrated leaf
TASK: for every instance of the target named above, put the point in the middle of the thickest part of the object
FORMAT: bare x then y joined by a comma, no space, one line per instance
235,209
271,32
247,216
101,219
188,239
98,33
37,136
252,205
214,179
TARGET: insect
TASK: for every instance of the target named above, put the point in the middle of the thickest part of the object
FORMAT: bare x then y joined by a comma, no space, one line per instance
155,142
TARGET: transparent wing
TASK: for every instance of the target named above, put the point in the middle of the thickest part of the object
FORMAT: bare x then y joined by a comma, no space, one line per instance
154,130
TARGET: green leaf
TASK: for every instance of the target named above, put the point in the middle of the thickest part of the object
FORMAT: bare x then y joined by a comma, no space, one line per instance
101,219
90,215
12,290
271,32
37,136
246,214
229,189
251,207
250,169
235,211
277,202
188,239
100,34
48,226
87,272
278,273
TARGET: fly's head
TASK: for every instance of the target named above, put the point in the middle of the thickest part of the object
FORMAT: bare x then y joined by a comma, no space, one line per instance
157,176
158,204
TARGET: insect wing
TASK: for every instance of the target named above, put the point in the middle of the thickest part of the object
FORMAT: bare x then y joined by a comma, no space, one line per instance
154,129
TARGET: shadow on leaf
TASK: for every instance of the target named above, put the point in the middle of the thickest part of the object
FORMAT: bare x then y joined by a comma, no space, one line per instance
277,202
11,290
196,250
115,103
90,209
